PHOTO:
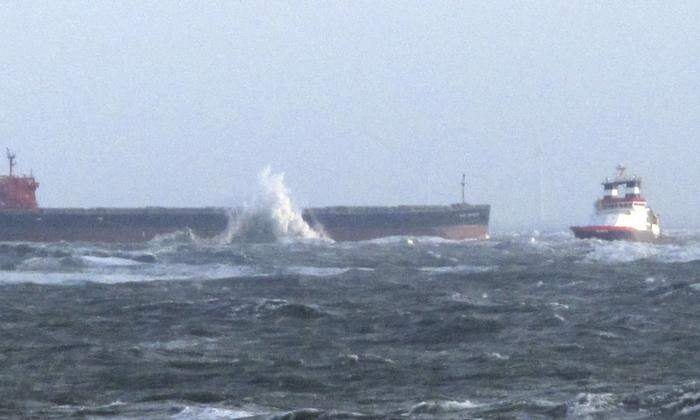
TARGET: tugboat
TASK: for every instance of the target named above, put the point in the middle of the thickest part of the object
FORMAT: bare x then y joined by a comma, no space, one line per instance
621,217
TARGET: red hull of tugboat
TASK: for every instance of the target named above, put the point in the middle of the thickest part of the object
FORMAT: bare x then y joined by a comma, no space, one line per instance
612,233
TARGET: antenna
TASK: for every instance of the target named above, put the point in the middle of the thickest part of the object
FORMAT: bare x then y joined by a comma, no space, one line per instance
11,157
464,184
621,170
540,210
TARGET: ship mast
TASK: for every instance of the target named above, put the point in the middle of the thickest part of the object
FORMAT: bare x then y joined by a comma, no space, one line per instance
464,184
11,157
540,210
621,171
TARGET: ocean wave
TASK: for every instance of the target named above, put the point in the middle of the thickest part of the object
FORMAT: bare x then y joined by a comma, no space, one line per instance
60,273
94,261
589,404
316,271
154,409
280,308
313,414
215,413
177,237
624,252
111,270
408,240
441,407
272,218
51,264
464,268
80,262
293,310
686,404
366,359
453,329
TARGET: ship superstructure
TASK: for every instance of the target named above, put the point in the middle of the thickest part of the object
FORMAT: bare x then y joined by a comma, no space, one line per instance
17,192
622,213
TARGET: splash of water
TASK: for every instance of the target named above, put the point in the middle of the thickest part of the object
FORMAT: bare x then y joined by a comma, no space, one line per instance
272,217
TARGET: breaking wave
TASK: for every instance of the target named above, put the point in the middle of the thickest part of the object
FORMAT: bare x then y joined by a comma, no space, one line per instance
457,269
272,217
438,407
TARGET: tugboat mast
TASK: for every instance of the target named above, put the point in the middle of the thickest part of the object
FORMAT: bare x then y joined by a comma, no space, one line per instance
621,171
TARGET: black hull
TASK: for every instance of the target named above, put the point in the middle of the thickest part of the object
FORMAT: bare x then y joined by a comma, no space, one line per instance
109,225
456,222
144,224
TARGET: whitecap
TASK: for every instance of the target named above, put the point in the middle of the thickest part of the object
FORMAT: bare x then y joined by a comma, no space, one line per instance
215,413
457,269
272,218
409,240
624,252
316,271
128,273
170,345
588,404
108,261
497,356
50,264
558,305
444,406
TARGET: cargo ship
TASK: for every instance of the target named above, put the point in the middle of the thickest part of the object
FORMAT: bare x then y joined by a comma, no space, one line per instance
456,221
351,223
621,217
21,219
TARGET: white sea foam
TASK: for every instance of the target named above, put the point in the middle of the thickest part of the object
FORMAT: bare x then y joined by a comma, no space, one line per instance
272,217
588,405
128,274
215,413
49,264
112,270
418,240
109,261
444,406
457,269
497,356
316,271
623,251
687,404
75,263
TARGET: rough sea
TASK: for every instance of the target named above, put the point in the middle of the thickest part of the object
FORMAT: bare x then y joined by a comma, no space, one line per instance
518,326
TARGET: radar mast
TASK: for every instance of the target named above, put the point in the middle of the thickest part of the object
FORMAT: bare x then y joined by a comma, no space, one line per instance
621,169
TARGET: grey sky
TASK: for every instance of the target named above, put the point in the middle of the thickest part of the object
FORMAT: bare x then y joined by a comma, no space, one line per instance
364,102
